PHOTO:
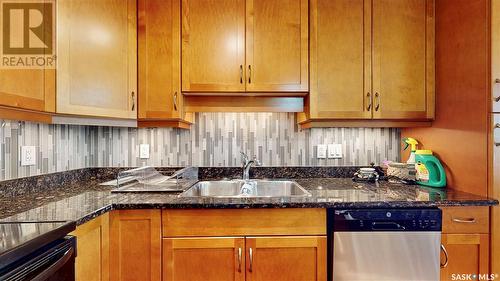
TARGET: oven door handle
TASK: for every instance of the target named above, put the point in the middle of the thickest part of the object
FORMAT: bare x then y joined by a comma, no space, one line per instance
387,226
44,275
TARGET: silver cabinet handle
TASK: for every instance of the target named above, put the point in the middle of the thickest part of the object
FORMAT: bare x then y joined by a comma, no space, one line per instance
241,74
468,220
175,101
250,268
133,100
369,97
249,74
445,264
377,99
239,259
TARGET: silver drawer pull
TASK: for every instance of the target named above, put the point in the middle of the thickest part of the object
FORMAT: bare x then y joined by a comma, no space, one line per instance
468,220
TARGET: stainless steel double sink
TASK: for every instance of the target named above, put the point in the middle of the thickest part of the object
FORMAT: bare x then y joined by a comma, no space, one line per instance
246,188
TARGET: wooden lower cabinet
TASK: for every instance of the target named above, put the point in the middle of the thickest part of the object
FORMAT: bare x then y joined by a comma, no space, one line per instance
92,260
467,254
135,245
204,259
286,258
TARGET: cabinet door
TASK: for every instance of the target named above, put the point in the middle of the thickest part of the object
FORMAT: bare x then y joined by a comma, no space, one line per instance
286,258
15,91
495,53
26,87
495,193
92,261
135,245
277,46
204,259
97,58
467,254
213,45
159,59
403,59
341,84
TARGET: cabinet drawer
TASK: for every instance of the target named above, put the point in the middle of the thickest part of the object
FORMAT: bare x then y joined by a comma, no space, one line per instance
243,222
465,219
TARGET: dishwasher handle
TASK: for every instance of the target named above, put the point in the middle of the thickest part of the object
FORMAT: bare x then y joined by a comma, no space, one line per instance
387,225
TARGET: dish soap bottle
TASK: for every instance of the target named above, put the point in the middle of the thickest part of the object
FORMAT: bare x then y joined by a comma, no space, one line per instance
430,172
413,142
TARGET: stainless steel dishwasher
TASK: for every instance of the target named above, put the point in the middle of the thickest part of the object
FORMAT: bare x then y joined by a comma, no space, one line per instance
384,244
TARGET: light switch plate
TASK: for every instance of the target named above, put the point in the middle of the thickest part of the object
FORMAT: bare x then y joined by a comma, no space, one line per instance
337,151
28,155
331,151
322,151
144,151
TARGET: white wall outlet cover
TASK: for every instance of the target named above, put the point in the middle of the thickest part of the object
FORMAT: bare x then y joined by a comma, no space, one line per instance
144,151
337,151
322,151
28,155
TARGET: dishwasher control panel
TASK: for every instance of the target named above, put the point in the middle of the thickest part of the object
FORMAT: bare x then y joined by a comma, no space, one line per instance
386,220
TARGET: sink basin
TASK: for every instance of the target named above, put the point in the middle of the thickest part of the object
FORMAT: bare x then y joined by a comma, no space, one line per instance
240,188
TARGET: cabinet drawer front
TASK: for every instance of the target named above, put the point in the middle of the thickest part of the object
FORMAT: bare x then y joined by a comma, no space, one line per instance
241,222
465,219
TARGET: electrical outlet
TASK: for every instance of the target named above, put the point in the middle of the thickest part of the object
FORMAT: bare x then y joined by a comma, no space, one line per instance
144,151
322,151
28,155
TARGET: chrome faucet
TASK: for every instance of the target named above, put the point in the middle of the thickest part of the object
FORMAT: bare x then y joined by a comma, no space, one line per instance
247,164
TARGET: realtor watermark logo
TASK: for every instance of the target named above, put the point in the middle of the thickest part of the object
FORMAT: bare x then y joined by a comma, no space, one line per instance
28,34
475,277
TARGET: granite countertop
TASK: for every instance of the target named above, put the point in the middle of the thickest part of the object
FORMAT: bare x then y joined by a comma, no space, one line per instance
83,200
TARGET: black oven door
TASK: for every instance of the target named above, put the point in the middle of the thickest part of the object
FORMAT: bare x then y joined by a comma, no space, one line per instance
55,261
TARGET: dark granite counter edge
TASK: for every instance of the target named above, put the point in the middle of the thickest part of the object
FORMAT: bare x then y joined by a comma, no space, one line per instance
334,205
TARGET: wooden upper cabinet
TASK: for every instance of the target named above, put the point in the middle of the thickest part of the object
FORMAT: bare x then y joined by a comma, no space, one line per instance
340,50
235,46
97,58
277,51
159,59
204,259
286,258
403,59
495,55
31,89
213,45
135,245
27,89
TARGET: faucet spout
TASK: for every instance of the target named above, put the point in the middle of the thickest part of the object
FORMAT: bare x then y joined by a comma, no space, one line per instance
247,164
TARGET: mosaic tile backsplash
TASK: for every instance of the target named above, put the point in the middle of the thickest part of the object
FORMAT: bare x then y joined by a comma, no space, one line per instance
215,139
